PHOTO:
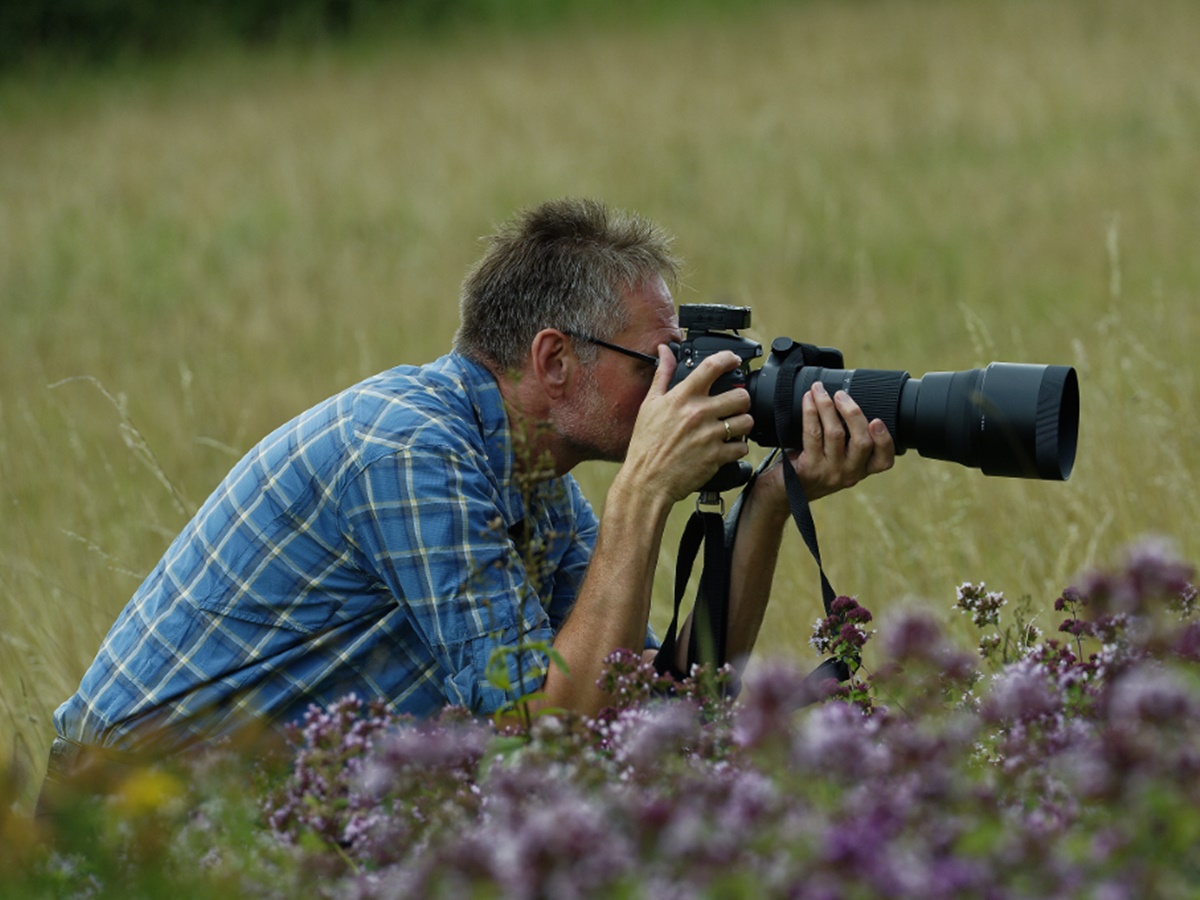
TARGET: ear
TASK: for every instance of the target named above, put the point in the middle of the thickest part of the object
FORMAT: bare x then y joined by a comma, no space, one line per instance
553,362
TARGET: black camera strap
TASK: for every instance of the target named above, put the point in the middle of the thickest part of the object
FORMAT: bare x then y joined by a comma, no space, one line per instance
707,528
785,393
710,619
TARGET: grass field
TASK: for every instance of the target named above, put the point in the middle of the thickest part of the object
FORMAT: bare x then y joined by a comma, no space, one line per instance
192,253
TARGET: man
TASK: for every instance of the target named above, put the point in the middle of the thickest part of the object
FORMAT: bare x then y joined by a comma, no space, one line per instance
389,539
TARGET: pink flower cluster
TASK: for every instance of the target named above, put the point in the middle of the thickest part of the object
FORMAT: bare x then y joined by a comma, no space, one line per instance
1066,767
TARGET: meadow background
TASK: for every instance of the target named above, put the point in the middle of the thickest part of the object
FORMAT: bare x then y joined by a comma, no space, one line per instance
195,249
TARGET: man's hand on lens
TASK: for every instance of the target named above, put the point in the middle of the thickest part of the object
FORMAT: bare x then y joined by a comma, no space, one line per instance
840,447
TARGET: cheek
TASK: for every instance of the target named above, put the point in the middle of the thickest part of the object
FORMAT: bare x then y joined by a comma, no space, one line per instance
629,404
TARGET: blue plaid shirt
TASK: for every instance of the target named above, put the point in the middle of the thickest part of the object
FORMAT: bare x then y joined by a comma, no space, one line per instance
375,544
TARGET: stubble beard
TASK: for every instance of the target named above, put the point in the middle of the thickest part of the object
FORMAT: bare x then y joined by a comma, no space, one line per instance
588,428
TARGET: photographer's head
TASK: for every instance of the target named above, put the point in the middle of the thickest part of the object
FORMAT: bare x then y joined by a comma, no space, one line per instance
567,265
567,308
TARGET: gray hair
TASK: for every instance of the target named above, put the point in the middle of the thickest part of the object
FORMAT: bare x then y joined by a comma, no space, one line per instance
564,264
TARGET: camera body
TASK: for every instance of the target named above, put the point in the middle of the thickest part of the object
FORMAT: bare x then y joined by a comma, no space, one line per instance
1008,419
710,328
706,327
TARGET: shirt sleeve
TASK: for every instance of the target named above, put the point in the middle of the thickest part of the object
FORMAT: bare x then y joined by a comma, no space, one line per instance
580,534
428,522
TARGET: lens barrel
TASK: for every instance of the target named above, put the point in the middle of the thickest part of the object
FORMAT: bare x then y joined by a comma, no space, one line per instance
1009,419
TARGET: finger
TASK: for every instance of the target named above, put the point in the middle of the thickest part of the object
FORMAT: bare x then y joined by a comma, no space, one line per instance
869,444
813,441
738,427
731,403
733,449
860,445
662,375
884,455
701,379
742,426
833,431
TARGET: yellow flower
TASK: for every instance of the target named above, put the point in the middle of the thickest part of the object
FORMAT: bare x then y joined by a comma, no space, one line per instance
148,790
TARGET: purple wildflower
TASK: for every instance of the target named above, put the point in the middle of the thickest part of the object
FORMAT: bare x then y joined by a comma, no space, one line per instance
1150,695
1074,773
643,737
842,633
630,679
837,739
981,604
1152,572
773,693
916,638
1023,692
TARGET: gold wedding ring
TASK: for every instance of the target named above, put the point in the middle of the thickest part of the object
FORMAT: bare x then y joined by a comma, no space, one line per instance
728,431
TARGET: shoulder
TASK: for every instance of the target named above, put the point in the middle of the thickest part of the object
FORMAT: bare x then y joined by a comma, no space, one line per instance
434,408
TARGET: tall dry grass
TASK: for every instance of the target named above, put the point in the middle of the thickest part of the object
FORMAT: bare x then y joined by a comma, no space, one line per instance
191,254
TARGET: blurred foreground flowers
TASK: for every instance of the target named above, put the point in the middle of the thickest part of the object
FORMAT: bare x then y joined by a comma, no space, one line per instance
1031,766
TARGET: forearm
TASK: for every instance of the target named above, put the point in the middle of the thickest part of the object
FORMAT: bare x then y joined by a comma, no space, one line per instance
613,606
752,571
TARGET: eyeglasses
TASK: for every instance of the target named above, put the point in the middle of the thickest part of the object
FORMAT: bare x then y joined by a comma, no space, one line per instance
644,357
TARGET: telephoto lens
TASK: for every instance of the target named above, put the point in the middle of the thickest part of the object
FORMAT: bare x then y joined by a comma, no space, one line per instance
1015,420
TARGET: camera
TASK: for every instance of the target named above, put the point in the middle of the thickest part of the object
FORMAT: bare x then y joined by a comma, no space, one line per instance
1015,420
